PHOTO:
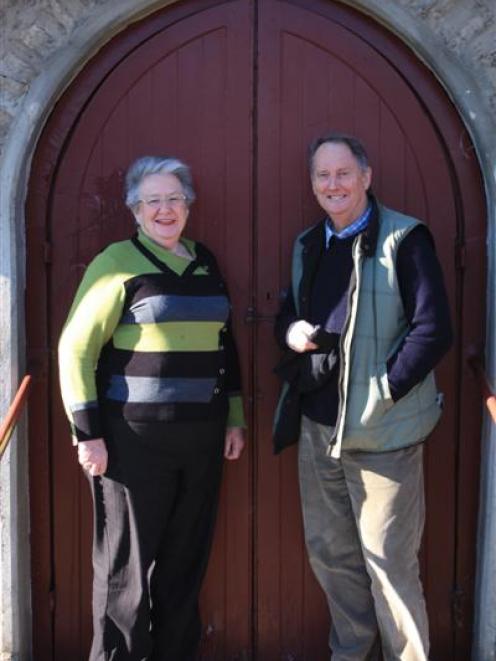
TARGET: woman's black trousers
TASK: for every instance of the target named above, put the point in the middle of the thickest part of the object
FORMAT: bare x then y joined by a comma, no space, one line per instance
154,511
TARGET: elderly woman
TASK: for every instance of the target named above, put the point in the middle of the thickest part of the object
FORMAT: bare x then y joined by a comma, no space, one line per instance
150,382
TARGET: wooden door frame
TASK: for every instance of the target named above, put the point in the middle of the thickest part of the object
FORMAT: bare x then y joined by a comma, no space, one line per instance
19,149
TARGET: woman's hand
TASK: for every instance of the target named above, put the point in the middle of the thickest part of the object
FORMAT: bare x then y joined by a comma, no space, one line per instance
93,456
234,443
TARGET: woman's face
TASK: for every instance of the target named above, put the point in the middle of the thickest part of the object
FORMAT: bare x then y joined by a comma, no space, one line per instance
162,210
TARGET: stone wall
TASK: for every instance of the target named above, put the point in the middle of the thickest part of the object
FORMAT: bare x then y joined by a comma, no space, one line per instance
33,31
466,31
43,43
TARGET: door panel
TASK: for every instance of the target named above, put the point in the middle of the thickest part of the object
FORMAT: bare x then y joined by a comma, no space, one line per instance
238,89
158,102
315,76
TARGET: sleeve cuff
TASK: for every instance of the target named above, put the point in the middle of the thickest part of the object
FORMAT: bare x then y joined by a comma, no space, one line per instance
85,423
235,416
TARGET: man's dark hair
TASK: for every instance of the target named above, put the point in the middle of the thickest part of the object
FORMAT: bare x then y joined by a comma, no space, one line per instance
353,144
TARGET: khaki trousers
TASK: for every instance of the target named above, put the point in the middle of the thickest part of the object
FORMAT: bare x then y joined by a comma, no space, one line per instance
363,518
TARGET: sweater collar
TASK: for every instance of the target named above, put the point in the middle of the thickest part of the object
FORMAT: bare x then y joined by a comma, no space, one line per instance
161,252
177,263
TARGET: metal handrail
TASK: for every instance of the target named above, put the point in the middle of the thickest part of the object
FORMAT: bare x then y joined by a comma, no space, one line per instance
13,413
475,363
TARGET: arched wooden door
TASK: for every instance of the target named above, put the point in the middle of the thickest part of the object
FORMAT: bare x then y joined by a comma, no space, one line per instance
238,89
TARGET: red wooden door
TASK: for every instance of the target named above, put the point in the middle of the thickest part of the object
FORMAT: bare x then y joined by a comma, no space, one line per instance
183,89
322,66
238,89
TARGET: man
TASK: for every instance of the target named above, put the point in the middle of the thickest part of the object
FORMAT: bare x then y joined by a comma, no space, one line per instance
366,320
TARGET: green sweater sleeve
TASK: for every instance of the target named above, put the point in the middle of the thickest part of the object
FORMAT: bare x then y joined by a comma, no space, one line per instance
92,319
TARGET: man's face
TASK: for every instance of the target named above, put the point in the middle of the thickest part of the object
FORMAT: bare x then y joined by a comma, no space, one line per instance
339,183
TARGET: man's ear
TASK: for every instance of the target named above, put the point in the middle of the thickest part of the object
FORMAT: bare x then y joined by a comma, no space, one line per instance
367,178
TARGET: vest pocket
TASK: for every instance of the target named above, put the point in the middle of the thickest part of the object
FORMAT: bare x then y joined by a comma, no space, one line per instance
378,398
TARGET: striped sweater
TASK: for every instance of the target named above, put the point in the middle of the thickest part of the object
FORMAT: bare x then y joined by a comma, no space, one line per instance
148,338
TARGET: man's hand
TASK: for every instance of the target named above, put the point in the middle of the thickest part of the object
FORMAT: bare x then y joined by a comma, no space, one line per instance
234,443
93,456
298,336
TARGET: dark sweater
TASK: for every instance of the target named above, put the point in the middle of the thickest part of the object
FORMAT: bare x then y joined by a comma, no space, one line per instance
425,302
148,337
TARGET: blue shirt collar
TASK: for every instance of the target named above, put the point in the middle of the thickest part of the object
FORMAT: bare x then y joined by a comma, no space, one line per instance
356,226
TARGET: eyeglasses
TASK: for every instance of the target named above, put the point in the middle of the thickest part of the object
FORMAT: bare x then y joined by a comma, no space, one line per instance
174,200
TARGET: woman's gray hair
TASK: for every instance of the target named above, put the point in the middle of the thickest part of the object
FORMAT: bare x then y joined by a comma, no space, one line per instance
353,144
147,165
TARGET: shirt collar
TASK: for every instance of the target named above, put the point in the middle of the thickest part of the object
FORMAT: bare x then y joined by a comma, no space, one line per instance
350,230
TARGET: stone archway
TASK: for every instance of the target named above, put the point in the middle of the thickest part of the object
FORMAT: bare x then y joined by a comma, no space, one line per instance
16,160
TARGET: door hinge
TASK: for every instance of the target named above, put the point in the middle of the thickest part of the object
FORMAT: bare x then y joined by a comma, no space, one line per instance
47,252
460,256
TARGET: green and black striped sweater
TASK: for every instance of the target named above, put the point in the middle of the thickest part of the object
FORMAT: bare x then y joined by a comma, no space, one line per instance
148,338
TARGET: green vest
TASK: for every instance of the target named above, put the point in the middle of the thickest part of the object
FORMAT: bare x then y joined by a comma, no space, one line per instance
368,419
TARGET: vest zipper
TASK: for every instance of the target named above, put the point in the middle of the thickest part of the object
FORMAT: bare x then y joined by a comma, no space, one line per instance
334,447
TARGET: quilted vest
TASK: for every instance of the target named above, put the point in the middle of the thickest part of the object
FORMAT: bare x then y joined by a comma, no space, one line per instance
368,419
